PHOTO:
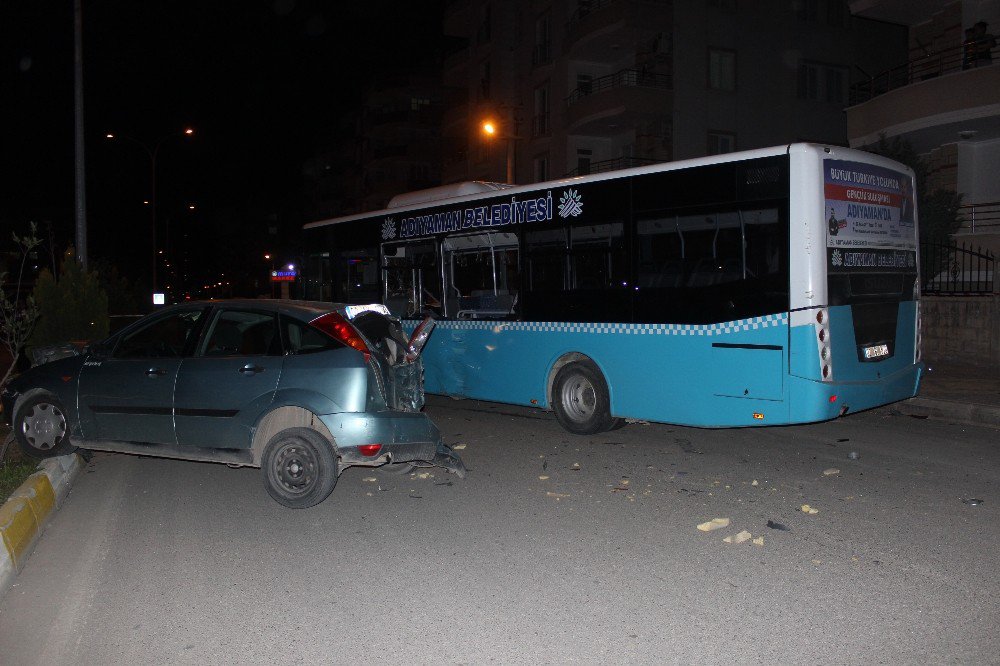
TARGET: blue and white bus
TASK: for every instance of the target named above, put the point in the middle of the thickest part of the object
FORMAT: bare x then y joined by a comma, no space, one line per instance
771,286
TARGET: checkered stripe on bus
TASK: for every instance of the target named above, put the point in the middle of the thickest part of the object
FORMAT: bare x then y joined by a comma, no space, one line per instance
752,324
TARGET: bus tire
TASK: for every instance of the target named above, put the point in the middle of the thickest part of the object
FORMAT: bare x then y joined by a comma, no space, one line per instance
580,399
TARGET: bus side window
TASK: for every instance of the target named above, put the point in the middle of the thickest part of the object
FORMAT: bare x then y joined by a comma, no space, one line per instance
483,275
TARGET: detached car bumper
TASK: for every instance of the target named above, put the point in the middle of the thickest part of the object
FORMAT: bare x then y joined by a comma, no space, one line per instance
402,436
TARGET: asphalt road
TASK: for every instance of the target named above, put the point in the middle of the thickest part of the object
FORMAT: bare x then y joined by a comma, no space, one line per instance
554,549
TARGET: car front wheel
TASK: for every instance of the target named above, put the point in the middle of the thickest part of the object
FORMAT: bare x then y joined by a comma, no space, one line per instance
40,427
300,468
580,399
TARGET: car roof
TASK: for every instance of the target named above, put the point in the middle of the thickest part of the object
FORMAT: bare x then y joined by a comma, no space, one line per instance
303,309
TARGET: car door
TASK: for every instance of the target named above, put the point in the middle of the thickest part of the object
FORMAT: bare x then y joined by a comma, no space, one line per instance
126,392
229,381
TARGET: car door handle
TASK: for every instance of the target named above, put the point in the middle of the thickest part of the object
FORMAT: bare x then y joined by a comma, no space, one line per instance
155,372
251,369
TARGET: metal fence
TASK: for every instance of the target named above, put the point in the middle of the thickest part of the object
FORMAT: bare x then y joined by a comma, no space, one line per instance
928,66
957,270
981,218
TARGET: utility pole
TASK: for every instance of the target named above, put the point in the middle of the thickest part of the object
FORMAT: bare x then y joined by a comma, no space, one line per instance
81,180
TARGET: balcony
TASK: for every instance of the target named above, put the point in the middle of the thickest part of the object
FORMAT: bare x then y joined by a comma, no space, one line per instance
598,28
606,104
541,125
930,101
541,54
611,165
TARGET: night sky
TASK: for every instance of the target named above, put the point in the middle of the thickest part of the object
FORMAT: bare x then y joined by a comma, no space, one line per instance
261,82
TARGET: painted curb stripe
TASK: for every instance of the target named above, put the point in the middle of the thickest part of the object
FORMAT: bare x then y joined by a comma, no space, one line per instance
18,527
24,514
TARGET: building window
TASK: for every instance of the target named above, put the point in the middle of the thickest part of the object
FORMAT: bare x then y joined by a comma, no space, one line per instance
808,10
484,80
823,83
541,167
542,53
721,69
419,103
584,157
721,142
485,30
540,121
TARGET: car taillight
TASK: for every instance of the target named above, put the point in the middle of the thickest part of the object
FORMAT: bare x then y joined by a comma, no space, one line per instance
338,328
369,450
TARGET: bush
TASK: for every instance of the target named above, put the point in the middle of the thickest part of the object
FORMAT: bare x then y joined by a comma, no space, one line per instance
72,307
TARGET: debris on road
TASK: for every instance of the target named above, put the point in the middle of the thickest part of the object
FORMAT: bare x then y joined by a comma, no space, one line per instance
973,501
425,475
714,524
738,538
759,541
755,483
369,479
458,447
854,455
831,472
778,526
575,467
808,509
543,477
558,496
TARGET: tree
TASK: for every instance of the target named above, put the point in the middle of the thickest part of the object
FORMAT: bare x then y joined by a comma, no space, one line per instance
938,210
72,307
17,319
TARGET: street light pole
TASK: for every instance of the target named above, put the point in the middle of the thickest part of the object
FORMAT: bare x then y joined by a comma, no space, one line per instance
491,130
153,153
80,171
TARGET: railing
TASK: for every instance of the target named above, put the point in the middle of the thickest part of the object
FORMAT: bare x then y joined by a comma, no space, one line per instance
956,270
929,66
612,165
626,78
585,8
983,218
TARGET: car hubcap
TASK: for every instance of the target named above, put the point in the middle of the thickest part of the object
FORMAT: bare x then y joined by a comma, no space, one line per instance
579,398
44,427
295,468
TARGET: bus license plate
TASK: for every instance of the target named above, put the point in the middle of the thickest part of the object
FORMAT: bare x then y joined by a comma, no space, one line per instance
876,351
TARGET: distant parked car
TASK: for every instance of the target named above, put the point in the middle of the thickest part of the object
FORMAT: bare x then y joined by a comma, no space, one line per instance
300,389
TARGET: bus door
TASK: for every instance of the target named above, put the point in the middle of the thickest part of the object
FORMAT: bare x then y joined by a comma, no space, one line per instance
481,276
412,279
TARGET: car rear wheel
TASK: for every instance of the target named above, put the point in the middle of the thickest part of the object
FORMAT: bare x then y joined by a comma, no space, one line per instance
300,468
40,427
580,399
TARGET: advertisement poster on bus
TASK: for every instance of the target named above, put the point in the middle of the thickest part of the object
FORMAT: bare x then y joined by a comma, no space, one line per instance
869,211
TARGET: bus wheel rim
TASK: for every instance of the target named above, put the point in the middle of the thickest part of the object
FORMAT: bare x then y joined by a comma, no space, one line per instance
579,398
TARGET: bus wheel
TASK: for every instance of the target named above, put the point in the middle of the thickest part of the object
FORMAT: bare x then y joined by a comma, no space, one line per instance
580,399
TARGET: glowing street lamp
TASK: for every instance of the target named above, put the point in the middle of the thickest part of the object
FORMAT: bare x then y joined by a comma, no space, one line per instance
492,130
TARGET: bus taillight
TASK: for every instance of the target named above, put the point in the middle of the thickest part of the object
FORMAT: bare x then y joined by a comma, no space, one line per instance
823,338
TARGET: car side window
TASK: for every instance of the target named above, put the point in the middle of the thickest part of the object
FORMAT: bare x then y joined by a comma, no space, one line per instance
243,333
165,337
301,338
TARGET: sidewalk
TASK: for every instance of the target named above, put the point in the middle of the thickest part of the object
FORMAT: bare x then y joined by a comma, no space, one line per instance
957,392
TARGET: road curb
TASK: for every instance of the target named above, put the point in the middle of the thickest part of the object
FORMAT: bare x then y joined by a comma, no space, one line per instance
939,408
24,515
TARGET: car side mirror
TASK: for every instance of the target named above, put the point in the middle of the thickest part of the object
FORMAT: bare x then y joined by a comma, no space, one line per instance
419,338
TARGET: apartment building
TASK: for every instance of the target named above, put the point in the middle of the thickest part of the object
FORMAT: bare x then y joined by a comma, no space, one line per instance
580,86
944,99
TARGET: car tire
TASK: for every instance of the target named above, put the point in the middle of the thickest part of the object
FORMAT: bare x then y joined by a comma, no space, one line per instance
580,399
41,428
300,468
